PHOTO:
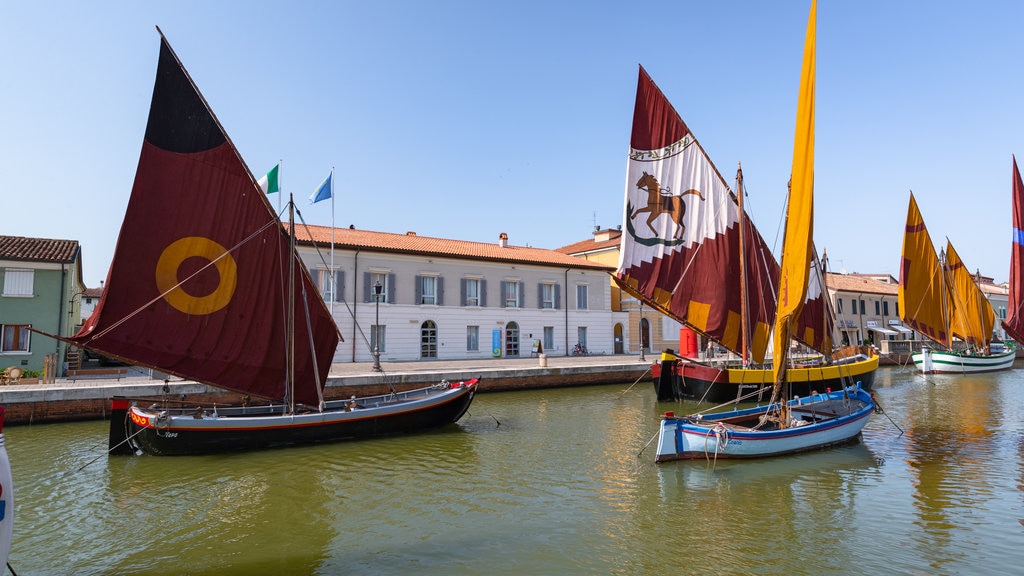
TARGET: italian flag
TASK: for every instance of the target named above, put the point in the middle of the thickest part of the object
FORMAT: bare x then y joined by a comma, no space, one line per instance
269,183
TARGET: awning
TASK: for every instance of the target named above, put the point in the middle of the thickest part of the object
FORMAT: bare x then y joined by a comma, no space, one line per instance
901,328
881,330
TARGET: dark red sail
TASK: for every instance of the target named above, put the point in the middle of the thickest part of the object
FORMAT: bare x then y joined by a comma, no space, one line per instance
1014,323
198,284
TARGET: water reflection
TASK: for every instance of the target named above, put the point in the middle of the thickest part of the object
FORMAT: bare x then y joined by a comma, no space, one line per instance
550,481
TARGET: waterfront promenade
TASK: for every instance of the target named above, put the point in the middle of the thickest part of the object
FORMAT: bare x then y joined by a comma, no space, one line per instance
87,395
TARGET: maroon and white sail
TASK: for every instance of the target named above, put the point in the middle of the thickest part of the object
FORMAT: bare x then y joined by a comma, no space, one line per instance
199,281
680,251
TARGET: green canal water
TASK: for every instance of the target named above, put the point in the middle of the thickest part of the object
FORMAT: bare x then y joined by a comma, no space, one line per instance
545,482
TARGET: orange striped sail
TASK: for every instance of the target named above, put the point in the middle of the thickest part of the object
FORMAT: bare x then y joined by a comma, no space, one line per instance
922,300
973,317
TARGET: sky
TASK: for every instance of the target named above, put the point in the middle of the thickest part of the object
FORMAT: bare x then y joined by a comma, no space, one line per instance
466,119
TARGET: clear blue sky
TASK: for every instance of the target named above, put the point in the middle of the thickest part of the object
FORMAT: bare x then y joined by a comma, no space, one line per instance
468,119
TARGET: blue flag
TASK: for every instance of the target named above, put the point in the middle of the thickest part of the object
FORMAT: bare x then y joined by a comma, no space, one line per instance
324,192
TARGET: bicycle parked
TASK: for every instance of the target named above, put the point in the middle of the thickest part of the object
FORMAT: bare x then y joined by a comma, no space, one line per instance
579,350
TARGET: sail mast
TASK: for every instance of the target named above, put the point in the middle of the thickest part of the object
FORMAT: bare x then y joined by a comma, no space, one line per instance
744,327
290,315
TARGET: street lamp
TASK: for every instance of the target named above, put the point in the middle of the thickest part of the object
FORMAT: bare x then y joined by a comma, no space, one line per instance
377,289
641,331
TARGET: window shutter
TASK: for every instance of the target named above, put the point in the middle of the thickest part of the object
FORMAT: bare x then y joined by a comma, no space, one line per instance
522,295
339,285
462,292
540,295
417,289
501,296
558,296
367,288
440,291
391,288
483,293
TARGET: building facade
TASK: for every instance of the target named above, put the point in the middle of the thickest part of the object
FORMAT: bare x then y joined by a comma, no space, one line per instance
410,297
41,289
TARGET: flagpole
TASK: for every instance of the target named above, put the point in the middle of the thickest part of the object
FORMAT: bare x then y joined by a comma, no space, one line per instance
279,186
334,274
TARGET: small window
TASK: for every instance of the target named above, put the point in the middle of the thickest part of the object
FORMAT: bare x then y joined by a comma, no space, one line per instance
16,338
378,335
547,296
581,297
378,279
511,294
428,290
472,293
472,338
18,281
885,307
549,337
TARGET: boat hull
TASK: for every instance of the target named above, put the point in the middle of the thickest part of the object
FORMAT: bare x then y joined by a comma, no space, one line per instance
165,433
708,383
828,420
942,362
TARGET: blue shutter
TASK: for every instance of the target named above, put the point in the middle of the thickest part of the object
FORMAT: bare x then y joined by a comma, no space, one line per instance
483,293
462,292
367,288
391,288
440,291
417,290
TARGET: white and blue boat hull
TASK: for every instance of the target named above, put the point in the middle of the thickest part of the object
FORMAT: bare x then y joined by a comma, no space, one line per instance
823,420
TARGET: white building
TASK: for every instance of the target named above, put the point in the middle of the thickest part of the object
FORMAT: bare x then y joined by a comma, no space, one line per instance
452,299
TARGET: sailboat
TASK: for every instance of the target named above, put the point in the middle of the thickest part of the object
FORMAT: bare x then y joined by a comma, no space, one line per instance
939,298
682,253
1014,323
782,426
206,284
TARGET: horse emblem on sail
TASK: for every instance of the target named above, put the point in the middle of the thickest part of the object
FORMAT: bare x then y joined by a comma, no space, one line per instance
661,201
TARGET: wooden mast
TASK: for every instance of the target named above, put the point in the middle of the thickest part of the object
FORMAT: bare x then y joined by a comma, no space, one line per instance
744,328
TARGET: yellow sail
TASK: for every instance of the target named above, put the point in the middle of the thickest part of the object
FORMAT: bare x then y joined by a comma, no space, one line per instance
797,242
922,299
973,317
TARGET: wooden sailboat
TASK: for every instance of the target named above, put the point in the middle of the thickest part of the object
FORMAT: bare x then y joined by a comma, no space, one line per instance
1014,323
682,253
939,298
783,426
206,284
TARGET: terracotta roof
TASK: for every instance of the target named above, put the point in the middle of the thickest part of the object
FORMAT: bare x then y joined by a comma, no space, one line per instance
37,249
411,243
93,292
592,245
860,283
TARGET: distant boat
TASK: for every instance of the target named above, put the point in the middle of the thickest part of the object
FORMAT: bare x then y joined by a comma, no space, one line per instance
940,299
1014,323
782,426
682,254
206,284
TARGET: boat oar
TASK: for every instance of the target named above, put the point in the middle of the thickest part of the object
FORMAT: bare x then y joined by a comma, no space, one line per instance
634,383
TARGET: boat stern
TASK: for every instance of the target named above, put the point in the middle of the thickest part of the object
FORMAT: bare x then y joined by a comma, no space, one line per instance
668,438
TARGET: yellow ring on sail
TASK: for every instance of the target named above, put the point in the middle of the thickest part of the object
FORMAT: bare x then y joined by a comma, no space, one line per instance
199,247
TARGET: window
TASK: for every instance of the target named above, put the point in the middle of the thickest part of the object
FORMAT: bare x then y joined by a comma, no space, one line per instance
330,291
18,282
581,297
472,292
863,310
877,308
839,305
510,293
472,338
548,293
378,335
386,291
427,290
15,338
549,337
581,335
885,307
512,339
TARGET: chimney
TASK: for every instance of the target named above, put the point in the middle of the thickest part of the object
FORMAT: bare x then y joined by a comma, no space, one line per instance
503,240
